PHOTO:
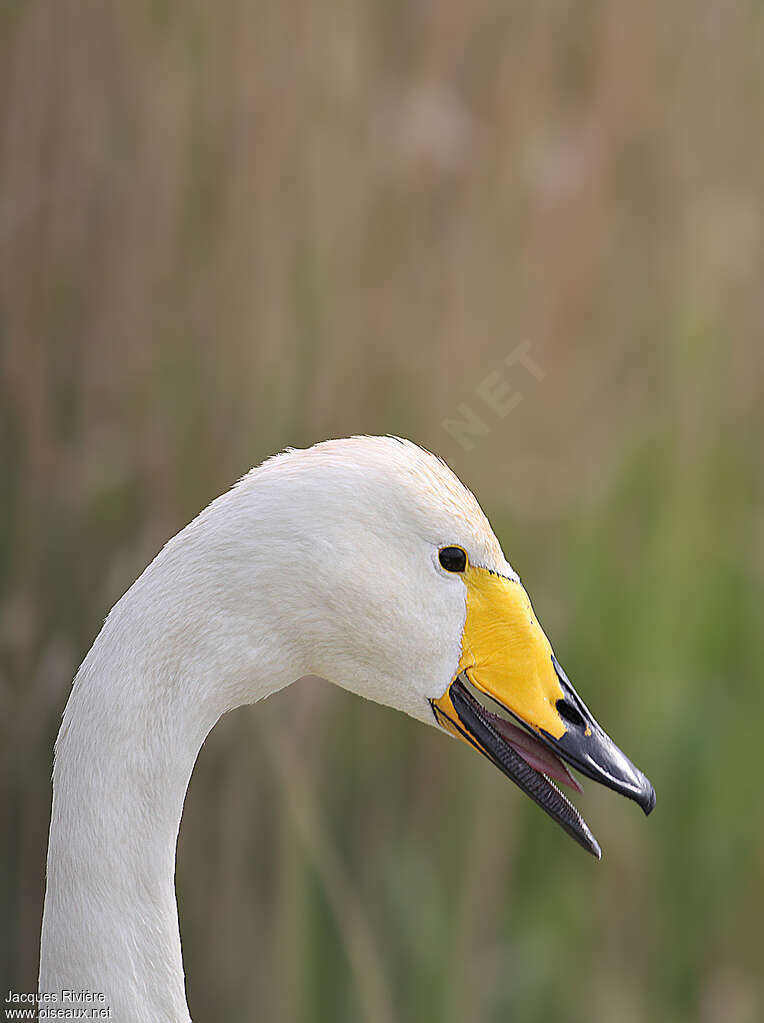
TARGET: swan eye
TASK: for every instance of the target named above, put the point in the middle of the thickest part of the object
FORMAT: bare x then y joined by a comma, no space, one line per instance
453,559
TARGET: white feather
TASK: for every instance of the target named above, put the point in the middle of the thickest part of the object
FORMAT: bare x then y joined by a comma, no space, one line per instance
320,561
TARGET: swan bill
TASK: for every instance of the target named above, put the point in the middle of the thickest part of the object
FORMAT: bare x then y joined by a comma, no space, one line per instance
532,759
512,701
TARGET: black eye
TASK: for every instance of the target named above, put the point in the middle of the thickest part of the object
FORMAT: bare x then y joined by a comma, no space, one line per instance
453,559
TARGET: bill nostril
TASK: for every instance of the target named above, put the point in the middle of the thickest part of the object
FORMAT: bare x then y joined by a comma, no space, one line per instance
569,713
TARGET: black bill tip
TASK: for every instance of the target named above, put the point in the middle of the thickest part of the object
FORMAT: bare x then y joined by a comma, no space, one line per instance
590,750
647,799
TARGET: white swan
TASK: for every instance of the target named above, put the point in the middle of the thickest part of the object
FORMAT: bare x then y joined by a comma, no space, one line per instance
364,561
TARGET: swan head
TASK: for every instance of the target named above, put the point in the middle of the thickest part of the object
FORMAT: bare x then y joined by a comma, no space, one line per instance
388,578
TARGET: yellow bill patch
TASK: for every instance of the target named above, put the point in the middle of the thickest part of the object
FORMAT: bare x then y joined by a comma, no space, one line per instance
506,654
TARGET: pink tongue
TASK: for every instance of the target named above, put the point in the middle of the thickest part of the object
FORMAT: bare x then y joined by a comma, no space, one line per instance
533,752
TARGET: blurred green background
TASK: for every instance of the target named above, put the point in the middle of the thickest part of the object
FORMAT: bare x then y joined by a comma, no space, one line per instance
228,227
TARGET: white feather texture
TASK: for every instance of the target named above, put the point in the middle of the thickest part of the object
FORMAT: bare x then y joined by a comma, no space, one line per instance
320,561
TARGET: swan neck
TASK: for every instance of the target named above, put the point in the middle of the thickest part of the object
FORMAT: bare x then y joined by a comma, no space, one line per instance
171,658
